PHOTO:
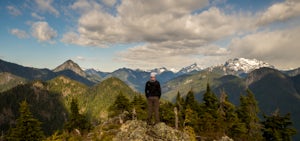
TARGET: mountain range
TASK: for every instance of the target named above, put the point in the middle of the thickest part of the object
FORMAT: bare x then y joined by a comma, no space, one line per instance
135,78
274,89
50,100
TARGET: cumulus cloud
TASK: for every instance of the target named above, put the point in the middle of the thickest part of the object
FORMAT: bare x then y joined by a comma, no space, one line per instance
46,6
35,15
165,54
109,3
83,6
175,33
42,31
280,12
152,21
13,10
280,47
19,33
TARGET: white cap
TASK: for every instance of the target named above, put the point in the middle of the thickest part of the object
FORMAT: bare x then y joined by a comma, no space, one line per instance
152,74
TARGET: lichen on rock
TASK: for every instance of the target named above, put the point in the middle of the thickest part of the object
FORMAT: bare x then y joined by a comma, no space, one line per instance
136,130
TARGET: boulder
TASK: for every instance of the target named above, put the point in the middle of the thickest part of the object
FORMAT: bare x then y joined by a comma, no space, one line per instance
135,130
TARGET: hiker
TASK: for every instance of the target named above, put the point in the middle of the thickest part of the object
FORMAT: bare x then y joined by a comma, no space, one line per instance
153,93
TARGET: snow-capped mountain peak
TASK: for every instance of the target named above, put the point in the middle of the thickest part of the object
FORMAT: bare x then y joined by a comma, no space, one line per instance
190,68
243,65
159,70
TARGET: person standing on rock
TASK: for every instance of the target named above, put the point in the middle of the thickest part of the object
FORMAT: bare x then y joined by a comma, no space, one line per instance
153,93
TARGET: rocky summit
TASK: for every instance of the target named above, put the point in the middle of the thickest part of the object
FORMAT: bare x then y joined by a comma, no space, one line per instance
70,65
136,130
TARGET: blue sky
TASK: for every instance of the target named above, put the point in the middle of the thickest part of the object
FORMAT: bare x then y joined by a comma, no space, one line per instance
110,34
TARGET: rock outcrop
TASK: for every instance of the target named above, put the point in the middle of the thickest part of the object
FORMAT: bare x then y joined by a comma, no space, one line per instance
136,130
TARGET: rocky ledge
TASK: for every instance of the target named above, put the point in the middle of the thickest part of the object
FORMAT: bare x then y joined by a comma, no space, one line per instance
136,130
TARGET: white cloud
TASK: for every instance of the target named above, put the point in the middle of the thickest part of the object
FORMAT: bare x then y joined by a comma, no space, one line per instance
148,21
46,6
109,3
280,47
80,58
83,6
173,34
280,12
165,54
19,33
13,10
35,15
42,31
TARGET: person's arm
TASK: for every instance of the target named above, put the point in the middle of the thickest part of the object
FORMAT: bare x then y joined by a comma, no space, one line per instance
147,90
159,90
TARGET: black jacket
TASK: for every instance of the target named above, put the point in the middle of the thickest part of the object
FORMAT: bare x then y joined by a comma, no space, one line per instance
152,88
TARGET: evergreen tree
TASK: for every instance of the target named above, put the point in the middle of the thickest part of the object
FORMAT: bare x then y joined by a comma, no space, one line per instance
77,120
190,117
27,128
211,102
120,105
140,105
167,114
190,123
191,102
248,114
181,110
190,131
278,128
179,101
231,124
210,118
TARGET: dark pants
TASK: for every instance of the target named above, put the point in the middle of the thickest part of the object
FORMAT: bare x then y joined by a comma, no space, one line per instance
153,107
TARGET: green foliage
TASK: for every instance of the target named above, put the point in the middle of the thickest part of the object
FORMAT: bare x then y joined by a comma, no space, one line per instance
278,128
103,95
184,83
45,105
65,136
120,105
167,113
8,81
190,131
108,131
139,104
77,120
248,114
210,102
27,128
231,124
238,131
190,117
179,101
56,137
50,101
210,117
190,111
190,101
180,109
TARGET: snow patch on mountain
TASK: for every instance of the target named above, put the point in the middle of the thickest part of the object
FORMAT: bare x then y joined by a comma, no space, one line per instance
242,65
191,68
159,70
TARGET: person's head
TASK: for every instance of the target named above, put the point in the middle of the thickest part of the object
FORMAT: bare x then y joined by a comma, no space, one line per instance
152,76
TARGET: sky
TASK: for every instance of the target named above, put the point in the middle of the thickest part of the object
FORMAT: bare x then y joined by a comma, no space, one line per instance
145,34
